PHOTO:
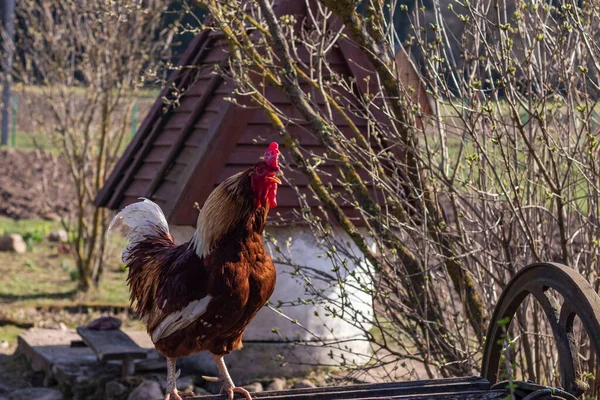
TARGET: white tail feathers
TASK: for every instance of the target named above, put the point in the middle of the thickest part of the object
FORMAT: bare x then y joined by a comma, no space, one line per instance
143,218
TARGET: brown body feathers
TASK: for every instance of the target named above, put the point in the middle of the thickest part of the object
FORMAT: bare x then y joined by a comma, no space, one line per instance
201,295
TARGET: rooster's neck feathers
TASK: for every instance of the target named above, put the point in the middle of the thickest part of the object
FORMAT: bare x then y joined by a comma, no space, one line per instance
230,205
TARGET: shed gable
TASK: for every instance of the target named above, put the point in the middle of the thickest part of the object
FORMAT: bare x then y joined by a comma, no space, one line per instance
197,139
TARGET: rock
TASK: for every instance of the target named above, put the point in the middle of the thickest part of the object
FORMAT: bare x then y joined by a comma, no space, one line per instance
200,391
4,344
104,324
59,236
36,393
212,387
277,384
254,387
148,390
185,383
304,384
51,216
13,242
150,365
114,389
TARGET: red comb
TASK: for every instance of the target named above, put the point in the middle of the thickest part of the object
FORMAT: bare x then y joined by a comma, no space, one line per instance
271,156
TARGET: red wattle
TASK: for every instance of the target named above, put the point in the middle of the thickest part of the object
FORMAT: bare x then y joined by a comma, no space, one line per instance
272,196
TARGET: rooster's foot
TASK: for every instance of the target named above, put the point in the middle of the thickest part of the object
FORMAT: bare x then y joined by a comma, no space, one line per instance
177,395
231,391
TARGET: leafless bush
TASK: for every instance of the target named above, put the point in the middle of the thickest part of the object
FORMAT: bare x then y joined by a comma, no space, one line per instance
88,58
503,174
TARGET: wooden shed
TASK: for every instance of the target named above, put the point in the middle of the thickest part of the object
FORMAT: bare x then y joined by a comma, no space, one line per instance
193,141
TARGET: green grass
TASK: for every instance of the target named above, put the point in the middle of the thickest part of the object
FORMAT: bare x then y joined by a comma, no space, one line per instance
10,333
41,278
142,93
33,141
29,137
22,227
43,274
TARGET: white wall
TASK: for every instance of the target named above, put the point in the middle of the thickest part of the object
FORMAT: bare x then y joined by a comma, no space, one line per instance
304,250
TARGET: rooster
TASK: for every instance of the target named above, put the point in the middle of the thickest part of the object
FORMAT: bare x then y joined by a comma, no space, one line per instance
202,294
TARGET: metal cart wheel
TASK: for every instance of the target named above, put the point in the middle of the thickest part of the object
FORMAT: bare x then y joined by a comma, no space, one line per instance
579,299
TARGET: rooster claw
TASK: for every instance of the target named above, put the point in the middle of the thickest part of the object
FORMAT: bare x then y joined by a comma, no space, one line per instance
211,378
233,390
177,395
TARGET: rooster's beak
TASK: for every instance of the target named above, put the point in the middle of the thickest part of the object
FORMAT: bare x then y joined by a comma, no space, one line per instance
274,179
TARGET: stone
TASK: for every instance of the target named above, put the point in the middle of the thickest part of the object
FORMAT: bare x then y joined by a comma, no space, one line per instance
213,387
150,365
277,384
304,384
36,393
104,324
185,383
51,216
254,387
114,389
49,350
59,236
148,390
13,242
200,391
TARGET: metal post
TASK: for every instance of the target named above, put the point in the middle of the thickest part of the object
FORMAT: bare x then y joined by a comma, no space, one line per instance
13,120
9,27
134,119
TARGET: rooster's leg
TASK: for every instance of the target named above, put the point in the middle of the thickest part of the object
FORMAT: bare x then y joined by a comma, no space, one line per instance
172,392
228,386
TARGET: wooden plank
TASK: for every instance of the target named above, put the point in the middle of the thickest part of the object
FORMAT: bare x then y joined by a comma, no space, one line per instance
148,170
137,188
157,154
175,172
278,96
266,133
295,177
167,137
216,104
165,191
177,120
196,138
334,57
111,345
468,395
250,154
217,144
198,87
218,52
186,129
44,348
290,112
206,120
474,388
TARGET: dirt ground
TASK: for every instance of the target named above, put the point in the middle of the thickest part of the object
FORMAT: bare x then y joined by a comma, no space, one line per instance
33,184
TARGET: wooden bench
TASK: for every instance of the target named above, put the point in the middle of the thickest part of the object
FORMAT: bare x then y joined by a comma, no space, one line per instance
113,345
